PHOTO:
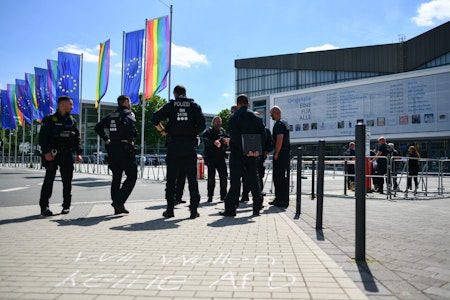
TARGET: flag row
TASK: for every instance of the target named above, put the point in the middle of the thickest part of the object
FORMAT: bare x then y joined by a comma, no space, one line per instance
36,96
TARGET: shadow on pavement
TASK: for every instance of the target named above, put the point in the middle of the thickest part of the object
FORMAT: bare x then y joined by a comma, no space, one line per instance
86,221
20,220
157,224
366,277
230,221
320,235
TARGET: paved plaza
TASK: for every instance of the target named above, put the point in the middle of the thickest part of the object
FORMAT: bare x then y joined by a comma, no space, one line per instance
92,254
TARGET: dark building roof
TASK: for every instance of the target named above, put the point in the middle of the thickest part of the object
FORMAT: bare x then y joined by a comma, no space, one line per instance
387,58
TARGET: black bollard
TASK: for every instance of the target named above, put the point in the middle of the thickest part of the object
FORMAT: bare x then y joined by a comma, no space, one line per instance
313,177
299,182
320,182
360,192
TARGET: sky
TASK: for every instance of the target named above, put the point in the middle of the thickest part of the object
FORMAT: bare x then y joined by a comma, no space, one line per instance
207,35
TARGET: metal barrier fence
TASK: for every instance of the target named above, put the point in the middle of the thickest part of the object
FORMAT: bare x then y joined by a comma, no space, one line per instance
89,165
433,177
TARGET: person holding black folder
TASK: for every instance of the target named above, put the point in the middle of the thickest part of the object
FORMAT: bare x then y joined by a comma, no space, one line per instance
246,135
281,163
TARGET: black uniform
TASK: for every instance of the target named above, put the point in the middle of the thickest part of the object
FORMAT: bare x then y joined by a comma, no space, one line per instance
59,134
215,160
185,122
121,128
281,165
243,121
267,147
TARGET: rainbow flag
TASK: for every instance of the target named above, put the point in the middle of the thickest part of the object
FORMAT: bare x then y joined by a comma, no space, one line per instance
17,114
52,83
30,85
103,71
157,56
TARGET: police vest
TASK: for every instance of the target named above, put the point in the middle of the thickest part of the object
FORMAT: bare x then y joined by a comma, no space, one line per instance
122,125
181,118
63,132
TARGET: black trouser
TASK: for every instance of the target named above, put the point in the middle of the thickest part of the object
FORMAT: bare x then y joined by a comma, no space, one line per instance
411,175
381,170
179,186
181,156
261,172
220,165
351,174
65,162
121,158
281,168
238,165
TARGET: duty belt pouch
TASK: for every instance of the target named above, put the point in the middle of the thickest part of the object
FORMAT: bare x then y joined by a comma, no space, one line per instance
129,149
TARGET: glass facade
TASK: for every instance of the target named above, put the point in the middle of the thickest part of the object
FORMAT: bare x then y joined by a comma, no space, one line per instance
256,82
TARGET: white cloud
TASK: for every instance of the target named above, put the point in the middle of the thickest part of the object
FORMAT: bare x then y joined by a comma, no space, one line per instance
319,48
431,11
181,56
226,95
186,57
89,55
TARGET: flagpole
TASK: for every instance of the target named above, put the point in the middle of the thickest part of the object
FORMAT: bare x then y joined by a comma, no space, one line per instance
123,58
170,54
9,146
3,147
80,105
15,147
143,101
23,142
31,151
98,138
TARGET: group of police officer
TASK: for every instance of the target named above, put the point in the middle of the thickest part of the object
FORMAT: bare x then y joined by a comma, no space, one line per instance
59,138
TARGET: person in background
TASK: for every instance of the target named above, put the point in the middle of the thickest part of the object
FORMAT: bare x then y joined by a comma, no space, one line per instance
119,143
216,143
281,160
394,160
351,166
59,138
381,164
413,168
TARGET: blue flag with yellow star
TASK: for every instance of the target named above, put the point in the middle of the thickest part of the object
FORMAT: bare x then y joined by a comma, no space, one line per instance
132,65
69,78
42,92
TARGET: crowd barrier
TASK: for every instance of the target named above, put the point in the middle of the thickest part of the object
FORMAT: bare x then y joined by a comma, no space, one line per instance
433,178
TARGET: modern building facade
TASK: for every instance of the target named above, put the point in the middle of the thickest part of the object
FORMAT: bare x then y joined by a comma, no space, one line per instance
263,78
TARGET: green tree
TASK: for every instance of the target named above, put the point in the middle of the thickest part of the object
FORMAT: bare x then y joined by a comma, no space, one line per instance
151,136
225,115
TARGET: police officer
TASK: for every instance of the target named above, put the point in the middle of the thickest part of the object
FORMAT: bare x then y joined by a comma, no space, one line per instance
59,138
267,148
281,163
216,142
185,122
243,121
121,128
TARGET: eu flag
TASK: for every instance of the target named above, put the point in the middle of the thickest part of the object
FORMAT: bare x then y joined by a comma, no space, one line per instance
23,102
69,78
132,64
8,121
42,93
